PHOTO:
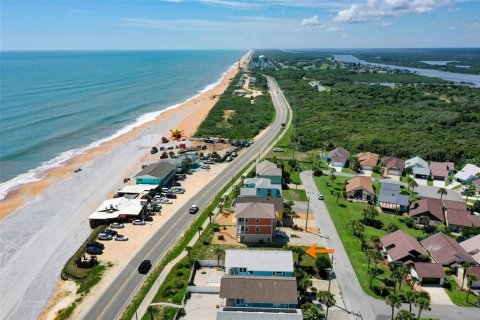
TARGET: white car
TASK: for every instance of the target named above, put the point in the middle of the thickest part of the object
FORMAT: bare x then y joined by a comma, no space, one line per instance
120,237
179,190
138,222
320,196
166,201
193,209
278,150
205,166
166,190
116,225
209,162
104,236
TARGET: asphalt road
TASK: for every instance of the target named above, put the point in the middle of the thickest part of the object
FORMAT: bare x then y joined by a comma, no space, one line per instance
119,293
359,304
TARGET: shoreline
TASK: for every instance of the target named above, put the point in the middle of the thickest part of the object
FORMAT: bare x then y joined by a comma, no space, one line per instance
21,195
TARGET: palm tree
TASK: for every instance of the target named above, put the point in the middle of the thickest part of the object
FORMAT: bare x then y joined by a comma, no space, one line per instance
442,192
413,281
310,311
465,266
470,278
393,301
405,315
413,184
372,273
304,284
218,251
410,297
298,251
399,274
189,249
422,304
200,229
153,312
337,194
328,299
369,254
357,228
332,179
210,215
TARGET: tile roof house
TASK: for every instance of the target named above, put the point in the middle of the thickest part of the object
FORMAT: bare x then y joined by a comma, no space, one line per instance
402,247
269,170
368,160
391,199
394,166
420,167
160,173
338,157
445,250
472,246
441,170
256,222
276,201
428,273
360,188
429,207
476,271
469,173
458,217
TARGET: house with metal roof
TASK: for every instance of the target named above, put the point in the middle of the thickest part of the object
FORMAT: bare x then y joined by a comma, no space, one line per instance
469,173
160,173
391,199
243,262
420,168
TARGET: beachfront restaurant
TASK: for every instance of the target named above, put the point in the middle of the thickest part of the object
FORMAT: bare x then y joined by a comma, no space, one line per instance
135,191
117,209
160,173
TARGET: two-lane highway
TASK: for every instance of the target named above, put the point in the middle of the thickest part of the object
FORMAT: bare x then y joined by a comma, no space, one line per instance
113,300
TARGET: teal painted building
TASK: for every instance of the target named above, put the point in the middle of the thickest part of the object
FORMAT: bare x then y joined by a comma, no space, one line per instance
270,171
260,187
160,173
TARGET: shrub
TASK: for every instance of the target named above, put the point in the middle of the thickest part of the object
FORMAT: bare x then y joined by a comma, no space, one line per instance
392,227
221,237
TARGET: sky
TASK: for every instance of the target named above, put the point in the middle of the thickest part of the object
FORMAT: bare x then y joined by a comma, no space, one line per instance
237,24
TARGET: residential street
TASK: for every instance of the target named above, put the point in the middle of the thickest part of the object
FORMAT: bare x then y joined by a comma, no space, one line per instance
358,303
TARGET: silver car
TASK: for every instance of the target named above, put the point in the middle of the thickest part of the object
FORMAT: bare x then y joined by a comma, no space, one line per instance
116,225
138,222
104,236
120,237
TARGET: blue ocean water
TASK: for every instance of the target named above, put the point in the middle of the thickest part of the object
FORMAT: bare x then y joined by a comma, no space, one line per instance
53,103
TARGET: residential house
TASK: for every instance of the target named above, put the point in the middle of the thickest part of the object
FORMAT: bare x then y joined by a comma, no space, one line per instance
360,188
428,207
242,262
458,217
368,160
160,173
338,157
428,273
420,168
401,247
393,166
476,271
472,246
276,201
258,284
269,170
476,184
443,249
260,187
441,170
469,173
391,198
256,222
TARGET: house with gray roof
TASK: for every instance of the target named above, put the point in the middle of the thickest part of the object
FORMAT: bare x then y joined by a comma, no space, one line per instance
391,199
420,168
160,173
269,170
469,173
245,262
260,187
472,246
338,157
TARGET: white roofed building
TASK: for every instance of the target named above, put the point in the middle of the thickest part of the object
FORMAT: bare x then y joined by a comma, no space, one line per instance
115,209
469,173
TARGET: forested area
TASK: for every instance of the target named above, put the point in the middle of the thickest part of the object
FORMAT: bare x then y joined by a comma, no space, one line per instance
236,117
419,116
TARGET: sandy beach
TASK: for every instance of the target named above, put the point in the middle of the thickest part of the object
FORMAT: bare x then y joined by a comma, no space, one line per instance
44,222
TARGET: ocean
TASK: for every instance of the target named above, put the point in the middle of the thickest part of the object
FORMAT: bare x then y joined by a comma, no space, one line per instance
54,105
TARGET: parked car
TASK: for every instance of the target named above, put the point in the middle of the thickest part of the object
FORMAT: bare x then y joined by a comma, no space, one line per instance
110,232
147,218
117,225
171,196
193,209
277,150
138,222
281,233
166,190
209,161
320,196
177,184
120,237
156,208
205,166
144,266
95,244
234,154
104,236
167,201
229,159
94,250
179,190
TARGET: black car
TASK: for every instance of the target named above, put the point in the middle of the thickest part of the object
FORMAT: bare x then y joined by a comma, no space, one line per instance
111,232
156,208
147,218
171,195
95,244
144,266
94,250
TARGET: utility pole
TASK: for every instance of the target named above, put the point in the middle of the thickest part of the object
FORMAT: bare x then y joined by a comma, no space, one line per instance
330,275
308,207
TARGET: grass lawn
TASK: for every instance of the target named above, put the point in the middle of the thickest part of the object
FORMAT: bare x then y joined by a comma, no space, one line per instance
342,214
348,170
458,296
294,195
430,183
376,175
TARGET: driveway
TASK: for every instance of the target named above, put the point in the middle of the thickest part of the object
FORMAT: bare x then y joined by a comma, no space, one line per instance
366,173
201,306
438,295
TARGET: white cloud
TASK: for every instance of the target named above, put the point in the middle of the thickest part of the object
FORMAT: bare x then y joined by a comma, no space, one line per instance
386,24
375,9
311,22
333,29
246,4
